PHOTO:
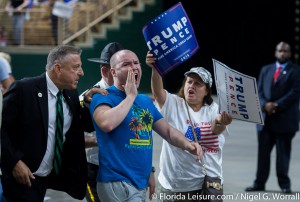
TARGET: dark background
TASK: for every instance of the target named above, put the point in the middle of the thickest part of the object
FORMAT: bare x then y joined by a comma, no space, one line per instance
241,34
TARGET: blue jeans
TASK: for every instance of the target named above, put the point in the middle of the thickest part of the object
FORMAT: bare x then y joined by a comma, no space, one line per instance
18,22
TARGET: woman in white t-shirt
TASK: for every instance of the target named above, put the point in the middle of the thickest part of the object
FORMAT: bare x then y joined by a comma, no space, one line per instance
180,175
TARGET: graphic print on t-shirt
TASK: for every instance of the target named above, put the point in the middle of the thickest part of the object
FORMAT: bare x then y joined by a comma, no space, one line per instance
189,133
141,123
209,141
206,138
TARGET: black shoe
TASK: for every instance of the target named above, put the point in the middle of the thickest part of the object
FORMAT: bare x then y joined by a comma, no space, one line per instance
286,191
255,188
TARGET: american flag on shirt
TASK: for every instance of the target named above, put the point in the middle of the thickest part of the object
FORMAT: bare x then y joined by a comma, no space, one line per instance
209,140
204,134
189,133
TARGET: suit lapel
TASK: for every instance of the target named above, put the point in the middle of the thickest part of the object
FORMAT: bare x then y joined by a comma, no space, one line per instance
41,94
68,100
283,74
70,103
269,77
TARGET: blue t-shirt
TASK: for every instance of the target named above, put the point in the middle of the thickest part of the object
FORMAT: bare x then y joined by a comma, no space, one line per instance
125,153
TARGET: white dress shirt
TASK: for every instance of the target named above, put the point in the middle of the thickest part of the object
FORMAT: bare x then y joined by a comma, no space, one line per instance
47,162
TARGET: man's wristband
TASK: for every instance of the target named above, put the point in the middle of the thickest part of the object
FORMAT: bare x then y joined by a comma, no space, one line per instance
153,169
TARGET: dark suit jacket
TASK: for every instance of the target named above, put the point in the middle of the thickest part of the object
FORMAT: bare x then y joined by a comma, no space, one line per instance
285,92
25,130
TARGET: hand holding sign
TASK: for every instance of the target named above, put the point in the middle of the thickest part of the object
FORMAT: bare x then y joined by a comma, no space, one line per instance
170,37
237,94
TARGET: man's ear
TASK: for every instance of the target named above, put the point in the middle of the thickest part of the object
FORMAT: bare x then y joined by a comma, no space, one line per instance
113,72
57,68
105,71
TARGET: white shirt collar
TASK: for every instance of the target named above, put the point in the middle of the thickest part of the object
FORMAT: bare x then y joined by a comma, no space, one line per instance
51,86
103,84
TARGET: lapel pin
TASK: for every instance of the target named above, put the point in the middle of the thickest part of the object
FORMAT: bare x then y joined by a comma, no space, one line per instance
40,94
284,72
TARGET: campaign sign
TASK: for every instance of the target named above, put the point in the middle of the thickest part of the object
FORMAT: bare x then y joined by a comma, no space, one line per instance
170,37
237,94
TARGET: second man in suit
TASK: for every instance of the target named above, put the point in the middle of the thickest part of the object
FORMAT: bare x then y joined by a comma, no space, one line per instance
279,92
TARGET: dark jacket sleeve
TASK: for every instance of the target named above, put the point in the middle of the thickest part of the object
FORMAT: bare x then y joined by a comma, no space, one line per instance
86,119
11,109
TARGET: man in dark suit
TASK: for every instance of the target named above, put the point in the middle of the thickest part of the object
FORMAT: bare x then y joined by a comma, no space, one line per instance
279,92
28,132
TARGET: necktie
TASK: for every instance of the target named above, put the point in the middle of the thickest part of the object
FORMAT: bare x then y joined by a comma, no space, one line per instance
277,73
58,132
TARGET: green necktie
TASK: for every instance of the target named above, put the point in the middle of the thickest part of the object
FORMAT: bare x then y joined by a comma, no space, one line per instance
58,132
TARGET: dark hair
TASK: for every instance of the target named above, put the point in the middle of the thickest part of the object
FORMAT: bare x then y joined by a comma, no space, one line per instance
207,99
